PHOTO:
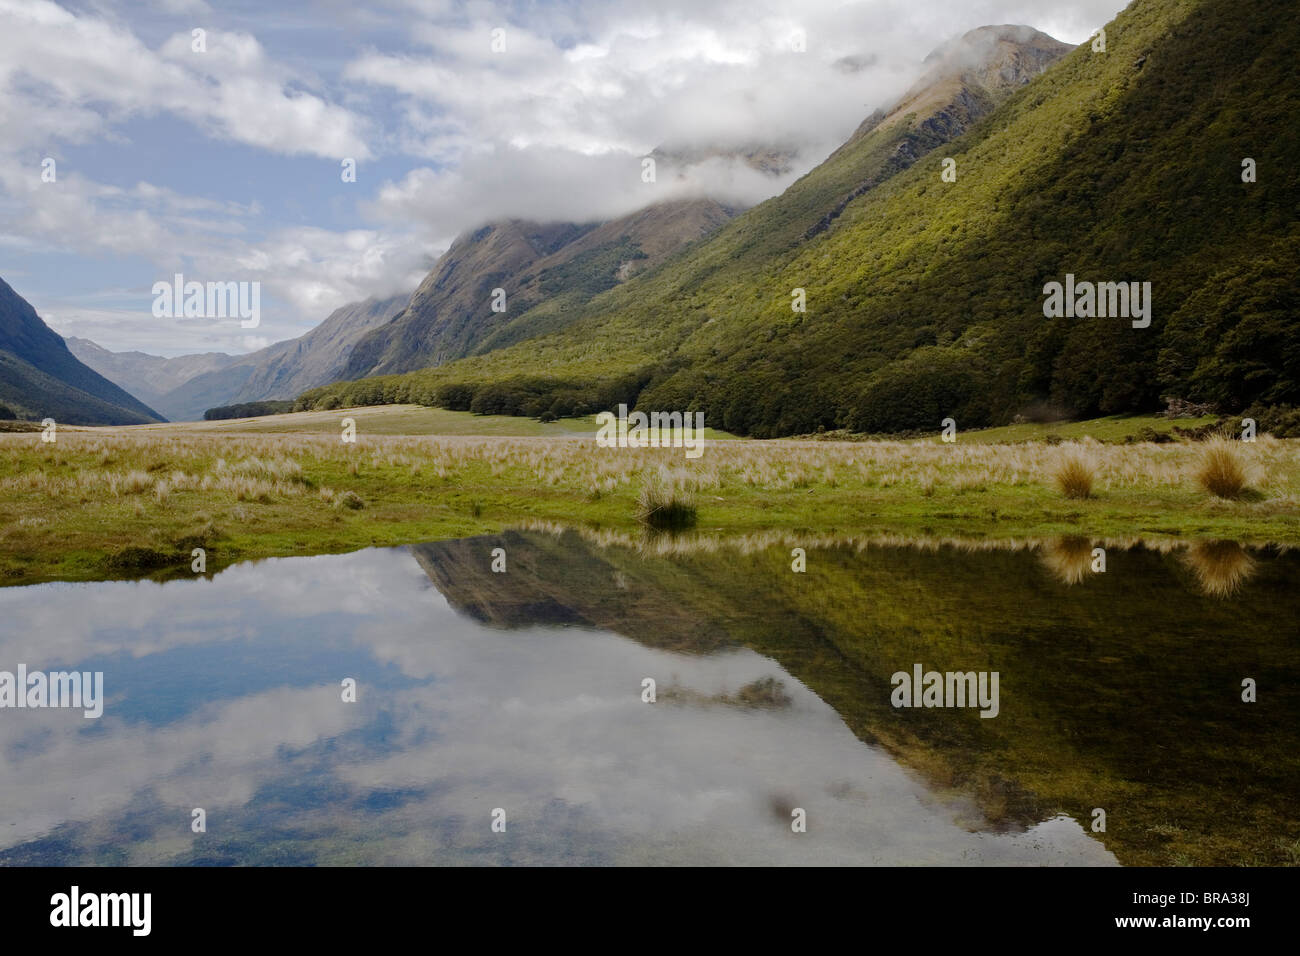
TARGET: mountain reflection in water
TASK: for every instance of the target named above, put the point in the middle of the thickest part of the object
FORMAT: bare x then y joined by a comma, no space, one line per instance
522,691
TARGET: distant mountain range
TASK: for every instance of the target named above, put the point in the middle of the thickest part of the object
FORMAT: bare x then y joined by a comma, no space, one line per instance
40,378
543,269
559,265
550,274
449,317
149,378
183,388
284,369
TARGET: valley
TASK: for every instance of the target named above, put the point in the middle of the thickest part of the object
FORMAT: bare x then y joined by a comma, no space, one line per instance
839,433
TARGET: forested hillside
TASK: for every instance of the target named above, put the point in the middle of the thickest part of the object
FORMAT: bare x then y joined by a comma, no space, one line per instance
925,297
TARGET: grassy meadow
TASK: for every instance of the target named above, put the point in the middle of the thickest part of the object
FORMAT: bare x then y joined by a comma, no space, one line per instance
397,420
107,502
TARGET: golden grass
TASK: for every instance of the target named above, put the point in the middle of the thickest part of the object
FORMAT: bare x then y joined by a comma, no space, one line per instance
133,463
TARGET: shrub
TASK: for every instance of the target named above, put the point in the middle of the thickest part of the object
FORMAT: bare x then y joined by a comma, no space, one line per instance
1280,421
1148,434
140,559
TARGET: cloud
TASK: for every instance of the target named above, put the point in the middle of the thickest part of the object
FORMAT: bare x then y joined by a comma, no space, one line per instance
304,271
98,73
555,123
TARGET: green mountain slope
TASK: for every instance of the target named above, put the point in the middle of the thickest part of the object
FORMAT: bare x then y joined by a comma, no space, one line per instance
40,378
925,298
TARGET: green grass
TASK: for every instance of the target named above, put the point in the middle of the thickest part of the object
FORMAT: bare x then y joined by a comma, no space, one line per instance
401,420
69,510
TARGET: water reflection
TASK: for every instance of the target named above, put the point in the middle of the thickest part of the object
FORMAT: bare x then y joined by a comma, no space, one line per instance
1070,559
1221,567
524,691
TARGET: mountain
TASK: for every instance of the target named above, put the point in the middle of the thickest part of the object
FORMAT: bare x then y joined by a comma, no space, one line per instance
147,377
562,265
40,378
926,298
284,369
654,314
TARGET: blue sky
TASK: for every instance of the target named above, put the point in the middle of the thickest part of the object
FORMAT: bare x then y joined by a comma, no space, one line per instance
224,163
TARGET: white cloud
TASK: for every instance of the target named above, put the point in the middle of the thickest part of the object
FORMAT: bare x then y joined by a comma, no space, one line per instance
310,271
54,62
554,126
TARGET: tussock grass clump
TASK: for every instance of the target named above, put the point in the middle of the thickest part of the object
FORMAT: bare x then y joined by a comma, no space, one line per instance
664,502
1221,472
136,482
1074,476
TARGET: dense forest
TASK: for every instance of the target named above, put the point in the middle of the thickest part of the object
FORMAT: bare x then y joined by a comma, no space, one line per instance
248,410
